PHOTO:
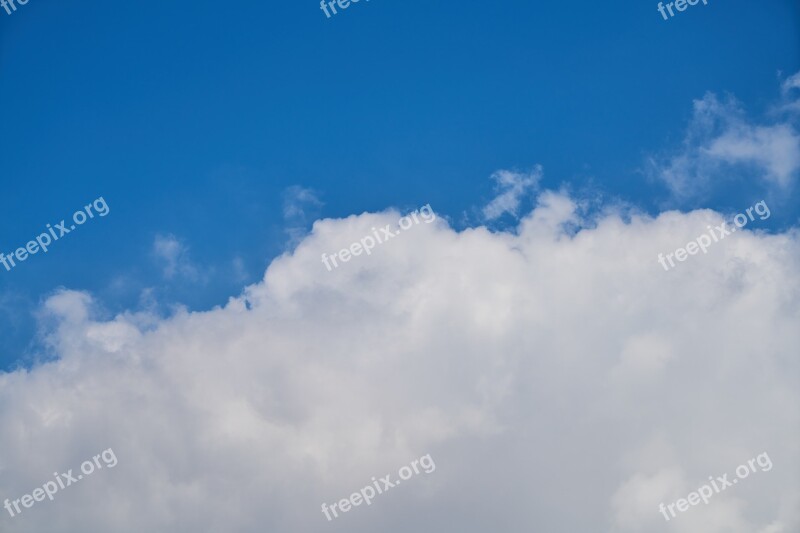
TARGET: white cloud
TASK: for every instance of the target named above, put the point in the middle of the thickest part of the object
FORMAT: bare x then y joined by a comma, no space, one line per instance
774,149
558,379
173,255
792,82
720,139
239,270
789,94
296,201
511,188
300,206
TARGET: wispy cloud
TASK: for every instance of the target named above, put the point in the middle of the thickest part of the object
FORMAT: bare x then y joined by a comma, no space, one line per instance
173,256
721,141
790,94
300,207
511,187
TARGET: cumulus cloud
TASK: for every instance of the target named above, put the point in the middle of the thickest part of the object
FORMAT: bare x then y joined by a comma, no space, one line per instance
720,141
511,188
560,379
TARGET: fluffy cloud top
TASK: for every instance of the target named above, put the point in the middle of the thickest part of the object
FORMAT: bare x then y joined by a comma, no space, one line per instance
561,380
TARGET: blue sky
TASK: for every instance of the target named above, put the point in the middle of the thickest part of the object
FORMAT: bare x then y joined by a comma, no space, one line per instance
195,120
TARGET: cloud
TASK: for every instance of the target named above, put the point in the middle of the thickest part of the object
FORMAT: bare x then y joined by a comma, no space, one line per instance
775,150
239,270
789,94
300,206
721,142
173,255
511,188
558,377
296,201
792,82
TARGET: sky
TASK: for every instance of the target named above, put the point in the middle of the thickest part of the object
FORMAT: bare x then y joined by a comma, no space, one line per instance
527,337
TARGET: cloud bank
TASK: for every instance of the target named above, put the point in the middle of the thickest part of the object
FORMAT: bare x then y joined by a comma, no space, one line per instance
560,378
